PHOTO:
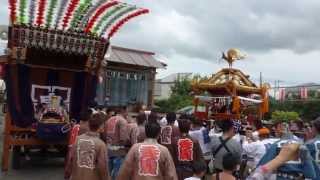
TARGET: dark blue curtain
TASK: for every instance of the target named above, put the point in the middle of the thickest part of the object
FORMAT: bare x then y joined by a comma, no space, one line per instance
21,113
77,92
19,97
24,91
52,78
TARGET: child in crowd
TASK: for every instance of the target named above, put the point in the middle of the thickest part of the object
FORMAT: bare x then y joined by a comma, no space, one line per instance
230,162
199,170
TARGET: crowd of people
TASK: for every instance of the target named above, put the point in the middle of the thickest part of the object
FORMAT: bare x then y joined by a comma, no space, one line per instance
112,145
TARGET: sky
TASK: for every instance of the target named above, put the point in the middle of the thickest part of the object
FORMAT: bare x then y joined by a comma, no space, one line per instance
281,38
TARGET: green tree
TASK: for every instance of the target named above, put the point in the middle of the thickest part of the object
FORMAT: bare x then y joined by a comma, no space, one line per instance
179,98
308,110
284,116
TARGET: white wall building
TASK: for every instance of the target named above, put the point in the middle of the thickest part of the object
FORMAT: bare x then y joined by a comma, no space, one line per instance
163,86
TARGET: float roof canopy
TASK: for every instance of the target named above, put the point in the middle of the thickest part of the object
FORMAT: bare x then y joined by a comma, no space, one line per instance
71,34
226,80
99,18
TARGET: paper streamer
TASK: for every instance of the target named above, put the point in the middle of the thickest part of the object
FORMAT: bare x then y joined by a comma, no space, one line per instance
60,12
22,10
52,6
13,12
72,7
125,20
41,9
80,12
104,20
118,16
32,9
95,17
84,20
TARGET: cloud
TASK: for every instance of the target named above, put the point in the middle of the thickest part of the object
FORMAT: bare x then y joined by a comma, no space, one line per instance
281,37
278,35
4,15
248,24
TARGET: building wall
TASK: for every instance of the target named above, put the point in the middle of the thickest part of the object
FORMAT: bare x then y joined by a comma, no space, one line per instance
126,86
162,89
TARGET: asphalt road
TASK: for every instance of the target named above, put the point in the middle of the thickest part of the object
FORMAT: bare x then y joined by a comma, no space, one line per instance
39,168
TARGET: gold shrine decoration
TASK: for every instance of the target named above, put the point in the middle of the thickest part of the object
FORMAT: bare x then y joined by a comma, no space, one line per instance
236,104
233,55
264,106
227,81
196,101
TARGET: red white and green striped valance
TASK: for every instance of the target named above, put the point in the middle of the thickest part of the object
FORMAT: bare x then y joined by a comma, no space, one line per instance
98,18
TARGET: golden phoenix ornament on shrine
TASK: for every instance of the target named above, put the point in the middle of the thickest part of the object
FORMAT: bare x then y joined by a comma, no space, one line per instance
232,55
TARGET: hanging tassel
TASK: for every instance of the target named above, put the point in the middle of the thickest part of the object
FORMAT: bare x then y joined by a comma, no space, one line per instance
117,12
32,9
52,6
95,17
22,9
126,19
72,6
83,9
41,8
84,20
60,12
13,8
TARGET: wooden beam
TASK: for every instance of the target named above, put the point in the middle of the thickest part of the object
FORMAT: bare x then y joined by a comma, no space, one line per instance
33,141
6,143
18,129
10,140
223,116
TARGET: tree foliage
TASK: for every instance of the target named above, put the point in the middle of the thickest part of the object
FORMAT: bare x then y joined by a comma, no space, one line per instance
179,98
284,116
308,110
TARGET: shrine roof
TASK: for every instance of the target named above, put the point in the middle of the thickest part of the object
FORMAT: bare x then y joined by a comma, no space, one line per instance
217,83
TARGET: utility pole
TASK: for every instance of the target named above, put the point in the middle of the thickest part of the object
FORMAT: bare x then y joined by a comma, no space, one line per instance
274,89
260,79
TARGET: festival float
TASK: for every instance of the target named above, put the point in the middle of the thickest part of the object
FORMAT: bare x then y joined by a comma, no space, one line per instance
54,56
229,94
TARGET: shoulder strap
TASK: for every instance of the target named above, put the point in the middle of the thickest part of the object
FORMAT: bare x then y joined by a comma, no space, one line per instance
223,144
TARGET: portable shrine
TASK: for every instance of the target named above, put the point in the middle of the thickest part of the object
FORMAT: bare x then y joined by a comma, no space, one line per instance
54,56
230,94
